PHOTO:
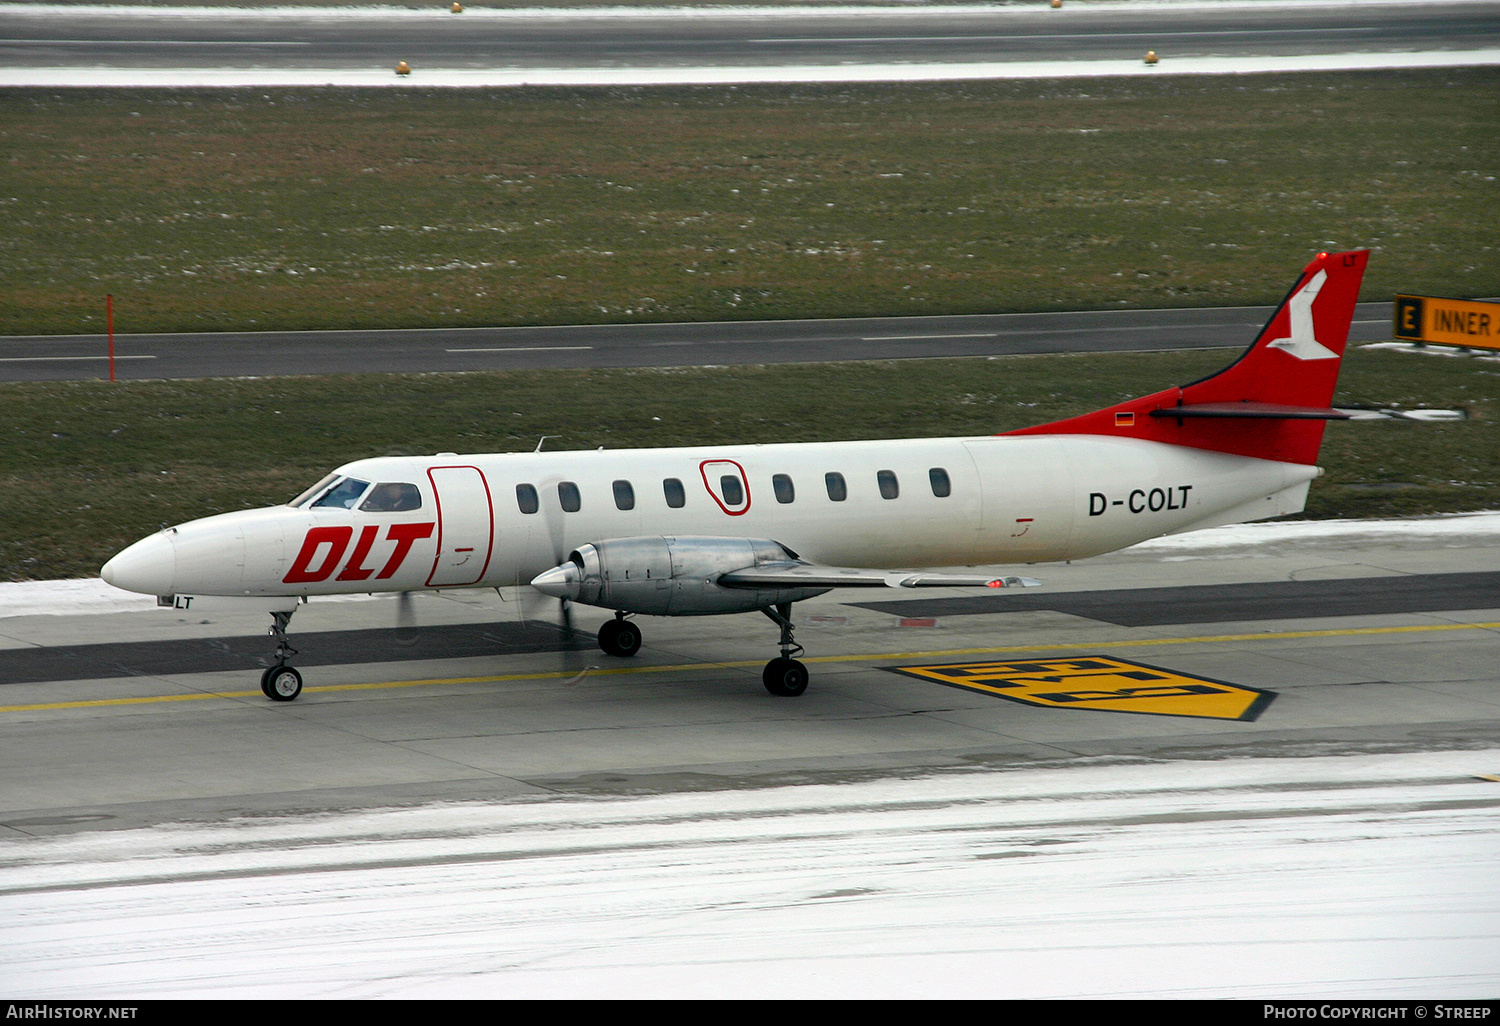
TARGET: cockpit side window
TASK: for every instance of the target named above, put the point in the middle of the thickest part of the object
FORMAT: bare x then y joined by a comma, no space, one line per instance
392,497
344,494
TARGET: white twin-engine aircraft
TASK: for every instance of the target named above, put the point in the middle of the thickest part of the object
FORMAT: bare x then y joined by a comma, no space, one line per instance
733,529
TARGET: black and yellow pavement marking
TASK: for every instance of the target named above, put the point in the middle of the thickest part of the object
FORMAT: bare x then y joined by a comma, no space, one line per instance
1101,683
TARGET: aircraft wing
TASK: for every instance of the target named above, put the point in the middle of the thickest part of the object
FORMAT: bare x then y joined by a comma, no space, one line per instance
808,575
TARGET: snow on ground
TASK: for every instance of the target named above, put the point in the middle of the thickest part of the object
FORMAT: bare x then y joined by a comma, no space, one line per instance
62,77
86,597
1417,349
1448,529
1366,877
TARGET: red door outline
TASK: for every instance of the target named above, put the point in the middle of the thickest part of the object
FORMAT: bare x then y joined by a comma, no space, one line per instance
744,483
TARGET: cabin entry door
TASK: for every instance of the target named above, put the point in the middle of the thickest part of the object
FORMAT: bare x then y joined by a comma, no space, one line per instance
466,526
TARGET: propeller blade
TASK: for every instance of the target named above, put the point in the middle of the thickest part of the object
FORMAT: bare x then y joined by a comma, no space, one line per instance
553,516
406,620
572,656
537,607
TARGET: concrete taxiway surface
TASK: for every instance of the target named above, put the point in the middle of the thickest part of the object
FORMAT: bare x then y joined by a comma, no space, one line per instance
138,742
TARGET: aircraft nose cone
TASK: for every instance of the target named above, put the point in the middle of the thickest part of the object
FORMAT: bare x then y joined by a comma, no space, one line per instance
559,582
148,566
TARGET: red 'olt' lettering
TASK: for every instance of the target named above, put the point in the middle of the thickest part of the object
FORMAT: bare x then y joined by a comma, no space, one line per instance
314,564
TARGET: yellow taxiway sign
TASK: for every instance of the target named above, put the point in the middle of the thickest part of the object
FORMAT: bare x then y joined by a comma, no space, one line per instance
1473,324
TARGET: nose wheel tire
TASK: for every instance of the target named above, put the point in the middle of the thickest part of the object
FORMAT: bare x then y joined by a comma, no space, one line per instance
619,638
785,678
281,683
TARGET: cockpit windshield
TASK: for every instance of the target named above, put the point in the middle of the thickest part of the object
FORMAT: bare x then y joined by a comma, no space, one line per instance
315,491
338,492
343,495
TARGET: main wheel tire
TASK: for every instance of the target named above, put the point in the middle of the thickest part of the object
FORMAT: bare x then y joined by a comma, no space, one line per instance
620,638
281,683
785,678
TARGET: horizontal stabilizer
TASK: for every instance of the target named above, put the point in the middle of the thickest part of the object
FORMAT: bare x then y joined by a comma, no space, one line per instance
806,575
1252,410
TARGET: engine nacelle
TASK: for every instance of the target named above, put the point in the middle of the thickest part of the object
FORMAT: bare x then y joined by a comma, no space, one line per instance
670,576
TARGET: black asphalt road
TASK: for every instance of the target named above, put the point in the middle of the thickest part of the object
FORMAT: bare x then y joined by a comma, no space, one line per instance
316,648
1133,607
234,354
144,39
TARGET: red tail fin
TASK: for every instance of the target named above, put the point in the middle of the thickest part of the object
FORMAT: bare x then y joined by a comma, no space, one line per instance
1273,402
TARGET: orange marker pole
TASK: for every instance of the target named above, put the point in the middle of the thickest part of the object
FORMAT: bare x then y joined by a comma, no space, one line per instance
109,320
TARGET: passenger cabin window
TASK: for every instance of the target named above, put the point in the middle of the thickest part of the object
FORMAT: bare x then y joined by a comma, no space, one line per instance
344,494
676,495
838,491
941,486
526,498
889,488
392,497
567,494
732,489
624,495
781,484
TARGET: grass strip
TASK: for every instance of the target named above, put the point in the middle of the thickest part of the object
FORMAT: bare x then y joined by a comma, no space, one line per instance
346,208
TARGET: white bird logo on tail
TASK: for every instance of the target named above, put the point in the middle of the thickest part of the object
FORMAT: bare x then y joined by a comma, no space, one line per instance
1302,344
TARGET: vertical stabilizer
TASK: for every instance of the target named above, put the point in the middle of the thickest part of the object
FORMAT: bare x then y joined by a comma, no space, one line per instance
1271,403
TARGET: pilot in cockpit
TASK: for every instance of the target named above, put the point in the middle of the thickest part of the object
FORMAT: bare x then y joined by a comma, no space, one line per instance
392,498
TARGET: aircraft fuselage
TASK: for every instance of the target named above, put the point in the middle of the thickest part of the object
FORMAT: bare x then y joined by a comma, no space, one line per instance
501,519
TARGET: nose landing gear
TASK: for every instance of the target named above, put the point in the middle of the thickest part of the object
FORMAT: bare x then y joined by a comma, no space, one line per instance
280,682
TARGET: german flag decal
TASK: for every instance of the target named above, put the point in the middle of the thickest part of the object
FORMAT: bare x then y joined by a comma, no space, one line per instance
1101,683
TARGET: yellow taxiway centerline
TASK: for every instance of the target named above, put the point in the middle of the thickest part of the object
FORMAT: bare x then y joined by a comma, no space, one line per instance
863,657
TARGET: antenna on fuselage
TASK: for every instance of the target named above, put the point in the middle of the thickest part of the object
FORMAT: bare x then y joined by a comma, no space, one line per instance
539,441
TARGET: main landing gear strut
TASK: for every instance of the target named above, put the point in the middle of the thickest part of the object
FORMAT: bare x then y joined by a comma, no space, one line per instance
783,676
281,683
